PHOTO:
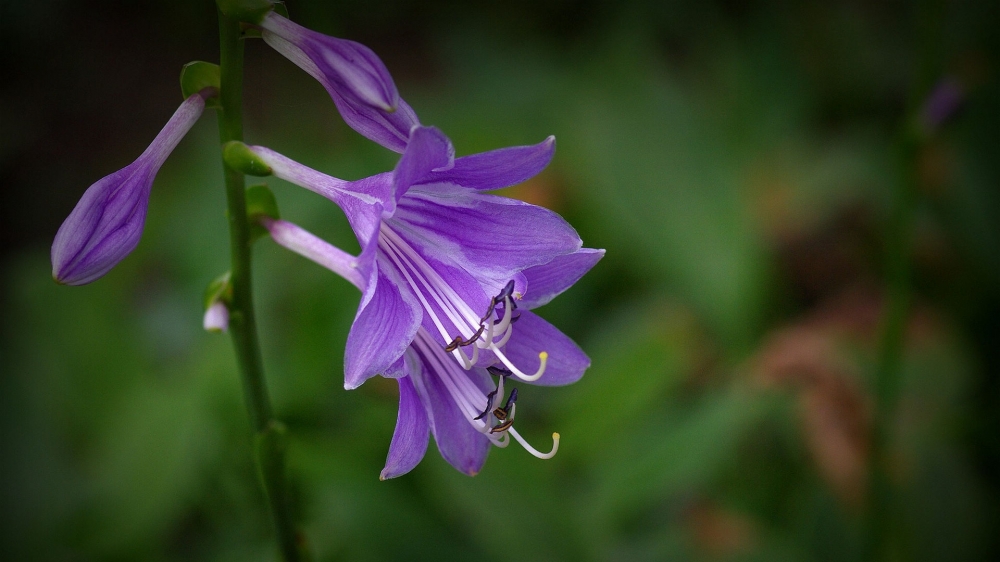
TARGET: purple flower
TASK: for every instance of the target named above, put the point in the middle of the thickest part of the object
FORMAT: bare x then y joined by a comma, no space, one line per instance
447,273
353,75
941,104
106,224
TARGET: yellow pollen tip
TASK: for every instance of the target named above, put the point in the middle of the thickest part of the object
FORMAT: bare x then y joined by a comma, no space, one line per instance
544,356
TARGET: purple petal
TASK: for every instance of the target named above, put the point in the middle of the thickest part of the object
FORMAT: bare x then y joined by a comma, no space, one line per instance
107,222
429,149
409,441
491,237
362,201
547,281
104,227
388,318
397,370
374,189
460,444
308,245
533,335
390,130
352,74
365,221
497,169
380,187
342,65
468,289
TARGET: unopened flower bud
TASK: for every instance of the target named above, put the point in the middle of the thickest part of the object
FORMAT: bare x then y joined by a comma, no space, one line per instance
106,224
352,74
216,317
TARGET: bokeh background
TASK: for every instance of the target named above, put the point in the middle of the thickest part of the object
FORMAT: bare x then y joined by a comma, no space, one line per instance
740,162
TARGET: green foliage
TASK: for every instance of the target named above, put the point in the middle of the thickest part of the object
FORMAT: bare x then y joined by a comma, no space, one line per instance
220,289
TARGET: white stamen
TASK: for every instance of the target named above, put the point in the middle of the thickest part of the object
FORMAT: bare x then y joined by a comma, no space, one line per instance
543,358
470,398
506,336
422,278
534,451
392,255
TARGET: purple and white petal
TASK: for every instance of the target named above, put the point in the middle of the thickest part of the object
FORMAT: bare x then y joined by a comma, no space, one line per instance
409,441
397,369
308,245
499,168
339,64
547,281
460,443
532,335
494,237
107,222
352,74
428,149
390,130
388,318
362,201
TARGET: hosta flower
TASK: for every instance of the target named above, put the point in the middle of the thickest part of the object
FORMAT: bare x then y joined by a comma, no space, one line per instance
352,74
448,273
106,224
463,408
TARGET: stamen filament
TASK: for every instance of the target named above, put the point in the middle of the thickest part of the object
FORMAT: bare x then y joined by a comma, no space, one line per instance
534,451
389,250
543,358
452,297
422,279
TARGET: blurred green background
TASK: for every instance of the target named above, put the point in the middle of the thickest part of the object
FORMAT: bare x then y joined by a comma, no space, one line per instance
736,159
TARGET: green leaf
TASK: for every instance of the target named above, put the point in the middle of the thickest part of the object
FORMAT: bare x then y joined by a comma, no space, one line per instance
220,289
198,75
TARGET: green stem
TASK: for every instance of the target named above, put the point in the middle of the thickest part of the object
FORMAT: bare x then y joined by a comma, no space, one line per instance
890,363
928,16
268,432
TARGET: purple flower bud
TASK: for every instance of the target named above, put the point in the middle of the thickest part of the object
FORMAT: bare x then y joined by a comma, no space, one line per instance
942,103
353,75
106,224
216,317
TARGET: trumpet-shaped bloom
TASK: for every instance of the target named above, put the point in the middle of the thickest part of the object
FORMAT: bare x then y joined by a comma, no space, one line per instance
106,224
352,74
443,269
462,408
